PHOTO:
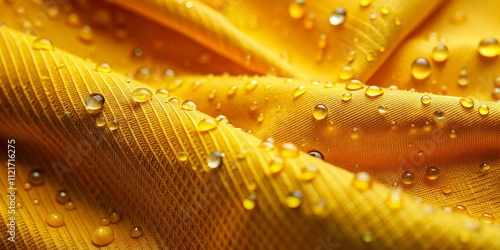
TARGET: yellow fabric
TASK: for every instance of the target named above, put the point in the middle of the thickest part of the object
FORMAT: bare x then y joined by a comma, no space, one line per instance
213,45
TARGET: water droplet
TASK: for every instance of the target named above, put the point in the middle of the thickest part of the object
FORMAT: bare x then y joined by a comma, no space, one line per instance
485,167
438,116
94,103
222,119
446,189
496,94
43,44
397,21
320,112
241,154
104,222
288,150
297,9
385,10
183,156
421,68
354,134
367,236
395,199
62,196
231,91
309,173
346,73
54,219
294,199
253,106
317,154
322,42
362,181
260,117
300,90
382,109
214,159
74,20
487,218
310,21
251,85
27,186
440,53
174,101
346,96
36,201
103,67
212,93
100,121
351,56
207,124
374,91
463,81
113,125
249,202
276,165
36,177
70,205
267,144
460,209
354,85
453,134
86,34
141,95
188,105
102,236
431,172
338,16
426,100
483,109
489,47
136,232
114,217
467,103
369,56
373,16
320,208
408,177
365,3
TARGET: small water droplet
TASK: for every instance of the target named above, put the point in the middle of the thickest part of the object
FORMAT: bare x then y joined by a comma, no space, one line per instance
460,209
439,116
483,109
463,81
373,16
62,196
426,99
294,199
320,208
251,85
487,218
54,219
43,44
362,181
365,3
338,16
485,167
320,112
188,105
346,73
317,154
322,42
395,199
374,91
385,10
288,150
421,68
368,236
354,85
86,34
453,134
103,67
104,222
496,94
489,47
309,173
70,205
253,106
346,96
136,232
446,189
354,134
141,95
214,159
241,154
276,165
310,21
408,177
174,101
207,124
249,202
114,217
467,103
27,186
102,236
431,172
297,9
113,125
440,53
300,90
382,109
397,21
36,177
100,121
94,103
260,117
369,56
267,144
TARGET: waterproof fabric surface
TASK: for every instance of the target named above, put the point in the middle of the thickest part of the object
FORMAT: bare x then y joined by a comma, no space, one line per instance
397,92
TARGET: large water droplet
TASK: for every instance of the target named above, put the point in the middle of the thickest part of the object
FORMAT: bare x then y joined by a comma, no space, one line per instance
467,103
207,124
288,150
408,177
294,199
347,96
103,67
141,95
43,44
382,109
374,91
320,112
489,47
267,144
485,167
354,85
365,3
297,9
421,68
426,99
346,73
113,125
102,236
440,53
54,219
214,159
431,172
317,154
188,105
136,232
94,103
487,218
276,165
309,173
483,109
439,116
362,181
300,90
251,85
496,94
338,16
249,202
